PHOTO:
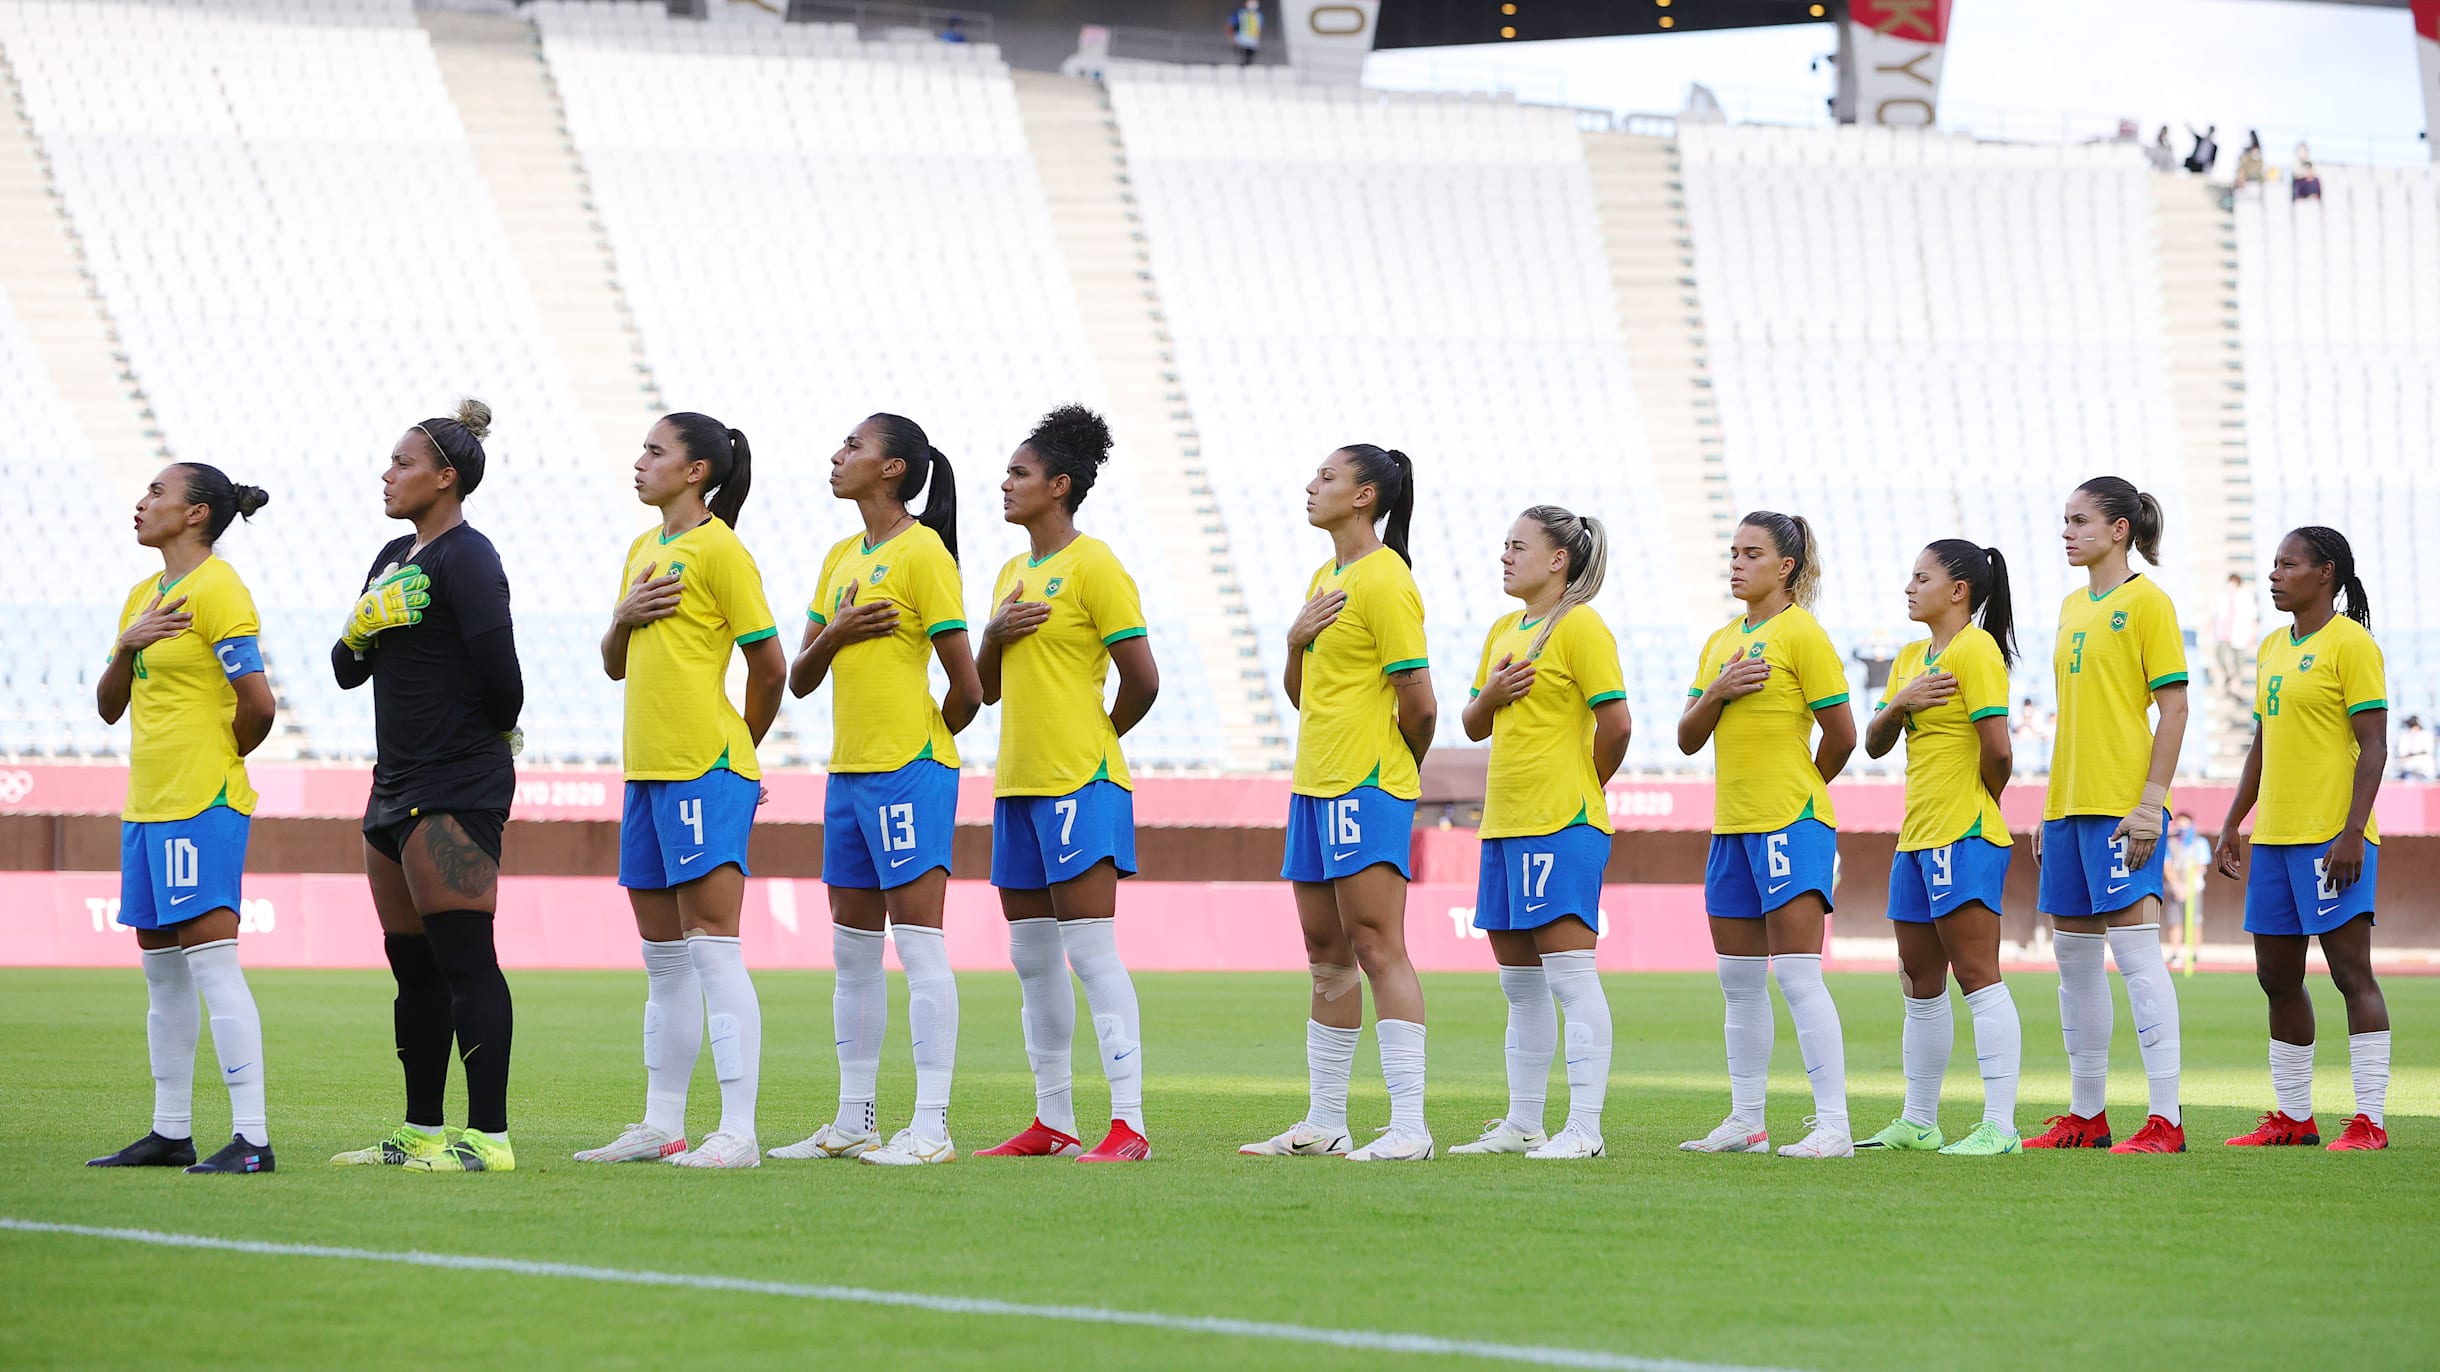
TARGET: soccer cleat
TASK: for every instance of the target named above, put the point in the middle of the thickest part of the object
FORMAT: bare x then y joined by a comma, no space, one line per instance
1823,1142
471,1151
1904,1135
830,1141
1500,1136
2072,1130
1569,1144
907,1148
1301,1140
723,1150
237,1157
1732,1136
2157,1136
2361,1136
152,1150
2276,1130
636,1143
403,1145
1394,1146
1036,1140
1122,1144
1987,1141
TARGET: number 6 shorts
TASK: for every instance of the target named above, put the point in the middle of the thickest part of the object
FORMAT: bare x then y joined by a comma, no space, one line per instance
674,832
881,830
1040,841
173,870
1338,836
1750,875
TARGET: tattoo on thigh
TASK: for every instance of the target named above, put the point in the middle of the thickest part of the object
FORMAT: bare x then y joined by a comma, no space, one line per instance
461,865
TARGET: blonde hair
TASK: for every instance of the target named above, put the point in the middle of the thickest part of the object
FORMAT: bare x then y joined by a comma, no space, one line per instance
1792,536
1586,546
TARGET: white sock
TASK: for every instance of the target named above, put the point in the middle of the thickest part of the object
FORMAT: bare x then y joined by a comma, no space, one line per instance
1330,1059
1999,1050
673,1033
1750,1027
1533,1040
1577,987
859,1017
2292,1078
2368,1062
1818,1036
1118,1024
1924,1046
1402,1073
735,1019
2152,995
932,1022
172,1028
1047,1018
2085,1019
237,1034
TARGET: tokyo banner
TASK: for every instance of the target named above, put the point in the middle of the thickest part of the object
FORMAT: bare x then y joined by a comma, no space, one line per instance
2427,61
1889,61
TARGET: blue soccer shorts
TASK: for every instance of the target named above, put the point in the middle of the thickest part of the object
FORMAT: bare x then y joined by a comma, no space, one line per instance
1750,875
1928,883
1529,881
172,870
674,832
2286,892
2085,872
881,830
1037,842
1338,836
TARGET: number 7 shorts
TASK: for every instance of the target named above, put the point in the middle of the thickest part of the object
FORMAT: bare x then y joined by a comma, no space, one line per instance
1041,841
881,830
1338,836
174,870
1750,875
674,832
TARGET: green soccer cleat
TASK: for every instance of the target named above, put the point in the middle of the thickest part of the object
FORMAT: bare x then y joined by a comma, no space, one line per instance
402,1147
1903,1135
471,1151
1987,1141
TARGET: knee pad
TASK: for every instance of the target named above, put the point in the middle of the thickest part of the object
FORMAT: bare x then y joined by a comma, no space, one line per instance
1332,982
728,1055
1579,1038
1112,1032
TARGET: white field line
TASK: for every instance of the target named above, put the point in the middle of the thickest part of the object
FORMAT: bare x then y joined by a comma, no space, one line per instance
1378,1341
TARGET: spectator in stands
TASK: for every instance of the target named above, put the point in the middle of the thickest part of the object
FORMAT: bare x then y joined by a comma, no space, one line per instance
1877,653
1245,30
2234,631
954,31
2189,859
2163,157
2206,154
2415,755
2305,183
2250,168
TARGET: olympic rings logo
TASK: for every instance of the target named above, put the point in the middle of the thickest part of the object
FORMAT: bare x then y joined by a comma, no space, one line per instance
15,785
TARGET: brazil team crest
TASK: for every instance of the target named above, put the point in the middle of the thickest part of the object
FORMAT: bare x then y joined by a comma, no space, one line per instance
1051,587
1756,650
2118,621
2307,664
880,572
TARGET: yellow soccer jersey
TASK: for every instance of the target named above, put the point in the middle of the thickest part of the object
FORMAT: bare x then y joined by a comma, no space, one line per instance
2305,692
2113,652
1542,777
883,716
680,721
1762,750
1055,734
181,706
1347,729
1945,797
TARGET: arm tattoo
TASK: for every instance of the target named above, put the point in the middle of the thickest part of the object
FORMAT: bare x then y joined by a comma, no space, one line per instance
463,867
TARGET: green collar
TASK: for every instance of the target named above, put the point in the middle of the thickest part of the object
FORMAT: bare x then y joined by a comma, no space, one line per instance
667,539
2295,642
1747,626
2097,599
1340,568
872,548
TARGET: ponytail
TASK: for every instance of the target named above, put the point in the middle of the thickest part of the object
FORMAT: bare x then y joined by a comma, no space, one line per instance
1792,537
1586,546
2119,500
1392,474
210,486
2329,548
726,456
940,512
1985,574
904,439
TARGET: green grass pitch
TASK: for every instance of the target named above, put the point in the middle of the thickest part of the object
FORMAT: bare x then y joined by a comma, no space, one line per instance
2215,1259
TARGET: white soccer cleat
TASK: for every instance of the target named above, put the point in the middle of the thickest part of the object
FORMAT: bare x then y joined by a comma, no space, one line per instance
830,1141
907,1148
1394,1146
1733,1136
1569,1144
721,1150
1823,1142
1500,1136
1301,1141
636,1143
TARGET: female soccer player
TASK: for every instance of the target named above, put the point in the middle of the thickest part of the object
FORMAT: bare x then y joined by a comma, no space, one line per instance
2119,651
1550,697
432,633
1764,681
2321,740
890,597
1360,678
1063,824
1948,698
186,663
692,590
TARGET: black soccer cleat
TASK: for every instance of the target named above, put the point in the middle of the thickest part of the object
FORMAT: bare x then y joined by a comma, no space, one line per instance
238,1156
152,1150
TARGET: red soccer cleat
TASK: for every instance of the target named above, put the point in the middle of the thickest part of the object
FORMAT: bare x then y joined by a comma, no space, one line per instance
1122,1145
1037,1140
2361,1136
2157,1136
2276,1130
2074,1131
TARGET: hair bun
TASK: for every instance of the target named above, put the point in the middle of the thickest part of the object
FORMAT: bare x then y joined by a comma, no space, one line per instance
475,417
250,499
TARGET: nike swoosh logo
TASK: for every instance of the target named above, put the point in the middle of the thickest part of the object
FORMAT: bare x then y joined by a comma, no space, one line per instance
2325,909
690,857
1535,906
1573,1061
1122,1057
901,862
180,900
841,1043
1342,857
2117,888
233,1071
1776,889
1069,857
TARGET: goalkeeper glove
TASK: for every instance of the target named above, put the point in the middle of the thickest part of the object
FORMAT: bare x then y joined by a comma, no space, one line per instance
393,602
